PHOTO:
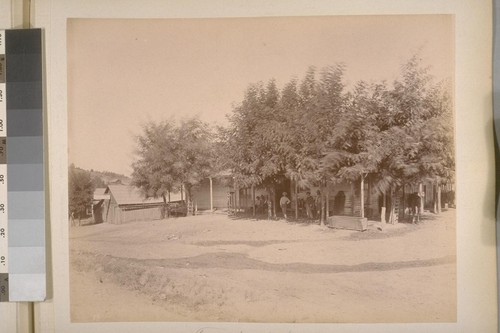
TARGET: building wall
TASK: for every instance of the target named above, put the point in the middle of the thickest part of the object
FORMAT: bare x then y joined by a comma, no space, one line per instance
242,197
119,215
140,214
115,214
201,195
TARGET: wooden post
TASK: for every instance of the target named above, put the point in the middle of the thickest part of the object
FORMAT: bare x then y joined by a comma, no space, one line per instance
382,212
246,200
323,205
404,203
236,202
439,198
353,200
393,202
422,197
274,201
211,196
362,194
327,212
253,199
296,201
269,204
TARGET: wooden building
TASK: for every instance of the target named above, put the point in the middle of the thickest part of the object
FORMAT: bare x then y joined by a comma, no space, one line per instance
123,203
342,201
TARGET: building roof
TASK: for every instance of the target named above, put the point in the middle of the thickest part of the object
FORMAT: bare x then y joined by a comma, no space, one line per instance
99,194
129,195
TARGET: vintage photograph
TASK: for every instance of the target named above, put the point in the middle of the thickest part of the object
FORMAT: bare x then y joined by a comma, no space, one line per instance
264,169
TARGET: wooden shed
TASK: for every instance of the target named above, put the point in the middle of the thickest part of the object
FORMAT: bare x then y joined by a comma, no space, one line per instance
127,204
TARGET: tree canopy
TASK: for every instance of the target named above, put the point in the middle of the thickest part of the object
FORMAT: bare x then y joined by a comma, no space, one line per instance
313,130
172,154
316,130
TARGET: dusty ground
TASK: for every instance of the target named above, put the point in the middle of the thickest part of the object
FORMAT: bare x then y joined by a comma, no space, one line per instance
213,268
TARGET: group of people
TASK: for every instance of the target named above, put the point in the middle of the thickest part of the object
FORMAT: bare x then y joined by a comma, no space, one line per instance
312,205
261,204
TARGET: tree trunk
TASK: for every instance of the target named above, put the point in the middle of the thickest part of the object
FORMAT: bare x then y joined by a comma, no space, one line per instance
211,195
274,202
422,198
362,196
253,199
439,199
322,213
392,211
269,204
165,211
404,203
382,211
189,200
327,205
296,201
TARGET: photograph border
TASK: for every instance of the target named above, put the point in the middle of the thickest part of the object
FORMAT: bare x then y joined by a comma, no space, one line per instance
477,304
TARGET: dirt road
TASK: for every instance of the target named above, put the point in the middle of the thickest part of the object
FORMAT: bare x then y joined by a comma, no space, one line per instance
213,268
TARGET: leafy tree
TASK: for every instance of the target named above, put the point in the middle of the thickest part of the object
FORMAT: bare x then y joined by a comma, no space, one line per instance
172,155
153,171
400,135
315,132
194,154
80,191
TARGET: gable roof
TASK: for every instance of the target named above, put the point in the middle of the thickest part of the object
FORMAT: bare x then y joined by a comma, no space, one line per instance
129,195
99,194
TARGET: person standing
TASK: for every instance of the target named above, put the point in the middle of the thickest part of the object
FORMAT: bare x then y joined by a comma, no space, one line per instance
284,201
263,204
309,205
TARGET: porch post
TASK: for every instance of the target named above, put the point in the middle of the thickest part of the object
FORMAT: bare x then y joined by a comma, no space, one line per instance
422,197
296,201
362,196
327,194
439,198
236,204
211,195
253,199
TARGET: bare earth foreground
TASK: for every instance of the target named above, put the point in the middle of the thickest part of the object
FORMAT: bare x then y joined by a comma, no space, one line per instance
214,268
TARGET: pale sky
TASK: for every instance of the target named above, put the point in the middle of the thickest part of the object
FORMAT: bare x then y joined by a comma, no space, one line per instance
122,73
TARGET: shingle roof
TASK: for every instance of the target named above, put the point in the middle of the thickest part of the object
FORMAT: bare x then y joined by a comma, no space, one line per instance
129,195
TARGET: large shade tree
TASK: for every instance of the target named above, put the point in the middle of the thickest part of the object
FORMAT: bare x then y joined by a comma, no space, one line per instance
315,131
396,135
172,155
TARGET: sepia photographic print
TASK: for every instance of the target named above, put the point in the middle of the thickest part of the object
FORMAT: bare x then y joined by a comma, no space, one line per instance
266,169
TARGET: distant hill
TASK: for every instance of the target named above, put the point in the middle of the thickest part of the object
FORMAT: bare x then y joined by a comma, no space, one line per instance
109,177
104,178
